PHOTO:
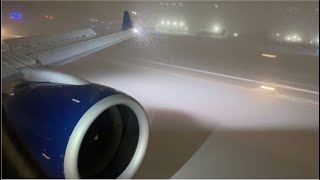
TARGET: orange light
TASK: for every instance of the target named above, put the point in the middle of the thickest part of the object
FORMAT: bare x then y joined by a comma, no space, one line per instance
269,55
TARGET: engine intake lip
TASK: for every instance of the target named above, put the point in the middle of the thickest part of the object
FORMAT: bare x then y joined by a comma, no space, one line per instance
71,169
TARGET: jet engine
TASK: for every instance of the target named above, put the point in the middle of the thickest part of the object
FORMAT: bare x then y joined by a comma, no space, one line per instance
82,130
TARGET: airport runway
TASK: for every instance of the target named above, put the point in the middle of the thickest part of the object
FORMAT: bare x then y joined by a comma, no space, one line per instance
208,116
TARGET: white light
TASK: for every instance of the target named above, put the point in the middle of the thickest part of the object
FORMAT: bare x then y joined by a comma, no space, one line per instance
278,34
186,29
311,42
174,23
168,22
181,24
133,12
135,30
269,55
174,4
180,4
216,6
162,22
235,34
268,88
216,28
76,100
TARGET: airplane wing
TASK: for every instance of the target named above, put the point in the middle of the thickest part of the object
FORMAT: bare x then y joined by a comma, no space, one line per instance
57,49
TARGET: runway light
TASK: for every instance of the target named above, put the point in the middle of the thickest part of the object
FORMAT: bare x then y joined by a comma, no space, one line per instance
267,88
269,55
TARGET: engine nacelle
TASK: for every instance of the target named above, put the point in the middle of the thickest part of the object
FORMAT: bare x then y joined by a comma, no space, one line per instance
78,131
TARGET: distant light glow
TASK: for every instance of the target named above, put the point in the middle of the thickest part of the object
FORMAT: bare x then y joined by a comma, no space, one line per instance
293,38
235,34
278,34
267,88
269,55
216,28
133,12
168,22
174,4
174,23
216,6
162,22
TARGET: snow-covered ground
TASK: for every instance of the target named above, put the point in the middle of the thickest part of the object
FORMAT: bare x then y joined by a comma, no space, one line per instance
204,125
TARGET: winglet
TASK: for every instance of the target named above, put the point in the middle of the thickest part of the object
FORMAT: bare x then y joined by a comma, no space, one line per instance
126,22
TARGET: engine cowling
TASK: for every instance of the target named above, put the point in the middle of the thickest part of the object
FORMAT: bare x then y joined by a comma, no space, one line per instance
78,131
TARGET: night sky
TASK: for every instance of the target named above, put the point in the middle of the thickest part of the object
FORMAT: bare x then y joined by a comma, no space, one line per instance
244,17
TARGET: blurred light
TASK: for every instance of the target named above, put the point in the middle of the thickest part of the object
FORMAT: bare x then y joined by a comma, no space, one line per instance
293,38
216,28
268,88
15,15
162,22
168,22
186,29
174,23
269,55
278,34
216,6
133,12
181,24
235,35
180,4
135,30
161,4
174,4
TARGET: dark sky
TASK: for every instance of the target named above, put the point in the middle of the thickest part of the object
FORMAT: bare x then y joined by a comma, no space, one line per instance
243,17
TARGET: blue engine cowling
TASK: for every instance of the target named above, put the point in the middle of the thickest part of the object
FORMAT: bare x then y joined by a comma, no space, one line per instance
78,131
